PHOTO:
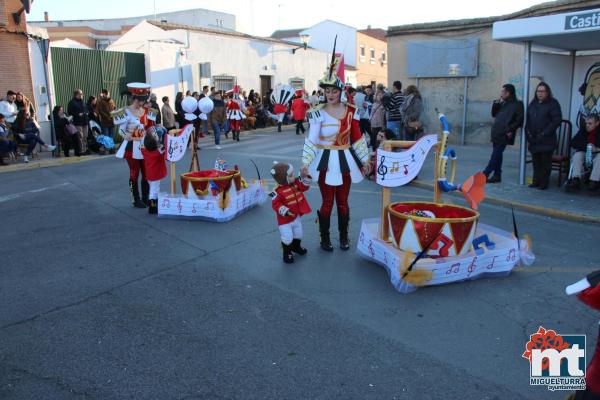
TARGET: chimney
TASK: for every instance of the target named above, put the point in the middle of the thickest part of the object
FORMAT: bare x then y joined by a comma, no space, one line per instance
46,17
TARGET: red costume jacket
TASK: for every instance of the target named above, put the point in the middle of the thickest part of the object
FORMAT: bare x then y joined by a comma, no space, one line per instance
291,197
591,297
154,163
299,107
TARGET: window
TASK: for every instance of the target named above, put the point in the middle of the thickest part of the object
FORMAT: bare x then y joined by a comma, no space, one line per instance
362,53
383,59
102,44
223,82
297,83
372,54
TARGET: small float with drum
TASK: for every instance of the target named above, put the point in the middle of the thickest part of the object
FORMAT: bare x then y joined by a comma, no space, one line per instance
433,243
219,194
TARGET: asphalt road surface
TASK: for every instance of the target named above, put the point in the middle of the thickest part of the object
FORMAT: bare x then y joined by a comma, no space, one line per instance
103,301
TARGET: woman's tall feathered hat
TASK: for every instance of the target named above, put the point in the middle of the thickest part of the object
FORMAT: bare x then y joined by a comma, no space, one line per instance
331,79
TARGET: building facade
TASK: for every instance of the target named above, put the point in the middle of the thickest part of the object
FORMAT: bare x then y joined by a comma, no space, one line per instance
14,51
99,34
180,58
357,46
372,56
496,63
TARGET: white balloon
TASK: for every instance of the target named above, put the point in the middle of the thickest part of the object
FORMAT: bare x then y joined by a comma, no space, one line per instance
206,105
189,104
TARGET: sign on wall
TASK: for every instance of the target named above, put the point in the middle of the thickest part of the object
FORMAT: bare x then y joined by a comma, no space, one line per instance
442,58
582,21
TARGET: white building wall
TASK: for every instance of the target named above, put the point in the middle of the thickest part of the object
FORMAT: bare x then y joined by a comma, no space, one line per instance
172,55
323,34
554,69
40,90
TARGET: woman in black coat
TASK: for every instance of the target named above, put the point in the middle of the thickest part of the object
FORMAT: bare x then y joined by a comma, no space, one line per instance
179,113
69,140
543,119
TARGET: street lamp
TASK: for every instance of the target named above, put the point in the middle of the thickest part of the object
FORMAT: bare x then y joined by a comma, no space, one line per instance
304,38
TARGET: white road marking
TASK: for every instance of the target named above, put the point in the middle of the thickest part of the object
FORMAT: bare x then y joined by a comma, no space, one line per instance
21,194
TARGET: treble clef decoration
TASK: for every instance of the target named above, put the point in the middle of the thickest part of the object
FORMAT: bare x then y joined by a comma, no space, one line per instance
382,169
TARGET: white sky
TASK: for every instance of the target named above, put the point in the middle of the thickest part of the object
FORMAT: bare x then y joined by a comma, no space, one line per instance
262,17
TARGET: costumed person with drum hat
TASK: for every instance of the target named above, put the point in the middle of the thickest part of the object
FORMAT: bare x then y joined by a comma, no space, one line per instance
235,113
280,98
134,121
336,152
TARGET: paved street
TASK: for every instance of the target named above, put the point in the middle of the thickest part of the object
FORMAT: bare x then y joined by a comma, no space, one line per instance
103,301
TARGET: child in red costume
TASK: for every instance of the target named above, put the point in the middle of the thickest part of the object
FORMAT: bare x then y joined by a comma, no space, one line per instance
155,166
290,204
588,291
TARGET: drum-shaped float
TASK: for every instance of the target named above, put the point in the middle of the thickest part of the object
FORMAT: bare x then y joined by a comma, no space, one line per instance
449,228
212,180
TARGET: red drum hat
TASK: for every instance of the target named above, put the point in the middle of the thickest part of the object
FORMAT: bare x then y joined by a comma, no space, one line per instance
139,90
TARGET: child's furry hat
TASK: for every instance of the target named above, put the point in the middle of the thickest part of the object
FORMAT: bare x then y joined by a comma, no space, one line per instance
281,171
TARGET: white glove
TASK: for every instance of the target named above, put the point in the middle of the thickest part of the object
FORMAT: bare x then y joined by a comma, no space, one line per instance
283,210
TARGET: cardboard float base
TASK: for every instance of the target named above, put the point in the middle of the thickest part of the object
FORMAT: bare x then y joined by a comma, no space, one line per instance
207,209
492,261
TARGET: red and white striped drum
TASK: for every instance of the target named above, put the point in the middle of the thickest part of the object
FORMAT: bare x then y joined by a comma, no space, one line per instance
449,228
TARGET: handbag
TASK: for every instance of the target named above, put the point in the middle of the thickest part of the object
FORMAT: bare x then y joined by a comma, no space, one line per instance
70,129
415,125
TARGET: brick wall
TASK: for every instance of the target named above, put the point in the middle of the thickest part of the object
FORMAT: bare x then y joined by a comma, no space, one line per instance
14,52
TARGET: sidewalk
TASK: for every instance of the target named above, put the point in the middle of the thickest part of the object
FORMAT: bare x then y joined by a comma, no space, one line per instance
45,159
553,202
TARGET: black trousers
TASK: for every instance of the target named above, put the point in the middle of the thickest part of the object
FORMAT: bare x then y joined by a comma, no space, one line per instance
71,142
299,127
495,164
373,136
542,167
365,126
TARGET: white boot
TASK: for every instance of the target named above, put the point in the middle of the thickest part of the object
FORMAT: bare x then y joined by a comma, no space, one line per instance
25,159
50,147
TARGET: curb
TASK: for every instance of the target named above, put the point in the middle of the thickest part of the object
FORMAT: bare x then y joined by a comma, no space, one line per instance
48,162
549,212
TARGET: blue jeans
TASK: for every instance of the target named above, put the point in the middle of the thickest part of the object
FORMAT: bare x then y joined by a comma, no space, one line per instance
226,127
108,131
205,126
395,127
495,164
30,140
217,128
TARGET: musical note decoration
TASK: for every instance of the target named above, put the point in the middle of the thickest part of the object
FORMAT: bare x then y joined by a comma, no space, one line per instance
382,169
485,241
399,168
177,144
